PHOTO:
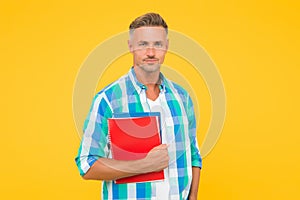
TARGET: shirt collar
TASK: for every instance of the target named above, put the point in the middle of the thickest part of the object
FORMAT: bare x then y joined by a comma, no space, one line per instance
138,86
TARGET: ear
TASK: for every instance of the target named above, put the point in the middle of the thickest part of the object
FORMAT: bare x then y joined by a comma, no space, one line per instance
130,47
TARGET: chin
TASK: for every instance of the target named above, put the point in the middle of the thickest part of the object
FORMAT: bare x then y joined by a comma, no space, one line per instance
151,67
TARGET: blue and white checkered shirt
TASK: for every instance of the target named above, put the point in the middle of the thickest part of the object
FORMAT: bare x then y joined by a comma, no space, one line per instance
127,95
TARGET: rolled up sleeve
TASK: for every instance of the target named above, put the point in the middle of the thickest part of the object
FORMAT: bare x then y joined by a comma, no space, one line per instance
195,152
94,143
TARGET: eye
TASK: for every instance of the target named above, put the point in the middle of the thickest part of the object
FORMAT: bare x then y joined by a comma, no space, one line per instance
142,44
158,44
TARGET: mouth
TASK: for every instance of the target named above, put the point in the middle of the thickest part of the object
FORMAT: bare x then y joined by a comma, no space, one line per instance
149,61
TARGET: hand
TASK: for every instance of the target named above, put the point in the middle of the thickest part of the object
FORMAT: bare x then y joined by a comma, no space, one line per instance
157,159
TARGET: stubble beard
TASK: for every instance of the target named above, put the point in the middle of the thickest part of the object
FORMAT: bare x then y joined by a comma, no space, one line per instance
150,68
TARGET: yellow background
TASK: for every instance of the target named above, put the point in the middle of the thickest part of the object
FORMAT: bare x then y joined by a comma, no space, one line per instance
255,45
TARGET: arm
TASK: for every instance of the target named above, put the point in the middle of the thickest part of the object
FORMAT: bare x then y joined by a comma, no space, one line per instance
110,169
195,183
92,160
196,157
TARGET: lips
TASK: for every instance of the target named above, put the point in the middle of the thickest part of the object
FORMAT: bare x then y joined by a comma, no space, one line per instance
150,60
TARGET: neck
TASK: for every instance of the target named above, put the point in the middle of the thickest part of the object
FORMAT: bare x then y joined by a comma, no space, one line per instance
151,80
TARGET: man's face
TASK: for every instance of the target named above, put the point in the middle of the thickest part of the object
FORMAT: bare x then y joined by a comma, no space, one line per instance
148,46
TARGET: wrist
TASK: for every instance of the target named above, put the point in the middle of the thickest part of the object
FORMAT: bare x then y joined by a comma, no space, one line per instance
192,197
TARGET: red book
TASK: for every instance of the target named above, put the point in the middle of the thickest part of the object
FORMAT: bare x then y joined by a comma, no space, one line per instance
131,138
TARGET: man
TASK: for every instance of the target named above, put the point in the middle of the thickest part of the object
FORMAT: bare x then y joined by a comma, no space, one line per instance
144,89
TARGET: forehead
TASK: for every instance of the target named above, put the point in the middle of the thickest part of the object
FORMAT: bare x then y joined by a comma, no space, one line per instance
156,33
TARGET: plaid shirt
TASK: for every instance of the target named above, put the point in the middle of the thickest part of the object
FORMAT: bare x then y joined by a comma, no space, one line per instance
128,95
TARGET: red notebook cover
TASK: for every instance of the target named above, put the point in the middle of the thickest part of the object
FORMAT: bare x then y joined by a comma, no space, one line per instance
131,138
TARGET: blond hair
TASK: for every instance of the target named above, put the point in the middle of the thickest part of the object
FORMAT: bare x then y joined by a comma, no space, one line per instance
148,19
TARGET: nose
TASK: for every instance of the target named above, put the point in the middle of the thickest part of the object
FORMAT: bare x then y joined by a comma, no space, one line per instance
150,51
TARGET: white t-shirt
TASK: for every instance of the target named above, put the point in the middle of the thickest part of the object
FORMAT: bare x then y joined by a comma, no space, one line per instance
162,187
